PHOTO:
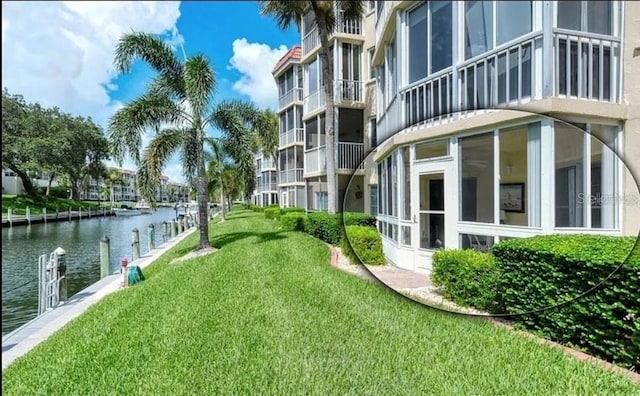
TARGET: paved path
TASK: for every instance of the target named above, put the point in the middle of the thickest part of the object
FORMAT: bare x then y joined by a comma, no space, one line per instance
23,339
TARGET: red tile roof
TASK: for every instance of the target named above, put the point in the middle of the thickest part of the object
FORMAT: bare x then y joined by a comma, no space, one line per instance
294,53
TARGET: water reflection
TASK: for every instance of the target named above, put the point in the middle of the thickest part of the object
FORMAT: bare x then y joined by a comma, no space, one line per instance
22,245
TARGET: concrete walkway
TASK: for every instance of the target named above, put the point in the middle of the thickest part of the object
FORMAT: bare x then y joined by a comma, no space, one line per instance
23,339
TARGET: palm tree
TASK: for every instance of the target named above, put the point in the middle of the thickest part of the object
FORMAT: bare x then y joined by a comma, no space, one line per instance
215,167
324,12
176,105
114,178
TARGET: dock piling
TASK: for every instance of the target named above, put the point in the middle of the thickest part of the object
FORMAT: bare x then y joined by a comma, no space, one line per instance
105,256
135,243
151,235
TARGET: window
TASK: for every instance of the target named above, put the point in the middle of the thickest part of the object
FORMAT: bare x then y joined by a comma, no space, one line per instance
477,178
373,128
373,191
513,19
372,70
406,182
432,150
313,76
586,16
430,47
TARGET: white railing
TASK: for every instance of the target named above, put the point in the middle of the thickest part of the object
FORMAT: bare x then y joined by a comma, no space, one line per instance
267,164
310,41
315,160
269,187
348,91
586,65
292,95
350,155
291,176
348,27
428,99
500,77
314,101
292,136
391,120
383,12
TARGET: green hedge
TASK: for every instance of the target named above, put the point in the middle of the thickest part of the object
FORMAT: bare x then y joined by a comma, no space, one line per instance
272,213
325,226
547,270
363,245
361,219
292,210
467,277
294,221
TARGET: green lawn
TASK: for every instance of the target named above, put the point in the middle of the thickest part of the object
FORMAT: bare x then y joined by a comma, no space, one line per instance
267,314
19,204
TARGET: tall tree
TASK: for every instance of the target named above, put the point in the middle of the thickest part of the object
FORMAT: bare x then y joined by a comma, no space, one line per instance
178,107
324,16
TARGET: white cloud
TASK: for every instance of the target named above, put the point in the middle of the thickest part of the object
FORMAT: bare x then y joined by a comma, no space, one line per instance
255,61
61,53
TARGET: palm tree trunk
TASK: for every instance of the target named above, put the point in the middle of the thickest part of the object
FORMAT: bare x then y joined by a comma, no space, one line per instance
331,114
224,208
201,198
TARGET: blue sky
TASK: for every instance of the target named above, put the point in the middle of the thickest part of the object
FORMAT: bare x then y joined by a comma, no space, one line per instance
61,53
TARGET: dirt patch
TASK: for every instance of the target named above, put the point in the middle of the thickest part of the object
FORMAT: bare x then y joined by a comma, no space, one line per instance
194,254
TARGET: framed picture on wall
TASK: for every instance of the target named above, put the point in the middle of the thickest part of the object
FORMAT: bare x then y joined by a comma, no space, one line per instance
512,197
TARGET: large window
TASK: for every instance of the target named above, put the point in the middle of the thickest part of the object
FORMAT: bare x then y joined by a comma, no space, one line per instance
489,24
586,16
313,76
477,183
430,46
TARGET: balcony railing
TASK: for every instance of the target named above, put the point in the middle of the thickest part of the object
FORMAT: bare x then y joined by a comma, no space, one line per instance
315,160
314,101
292,136
350,156
391,120
291,176
428,99
586,65
267,164
348,91
269,187
311,39
292,95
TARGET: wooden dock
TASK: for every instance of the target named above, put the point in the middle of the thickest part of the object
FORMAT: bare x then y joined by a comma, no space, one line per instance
18,220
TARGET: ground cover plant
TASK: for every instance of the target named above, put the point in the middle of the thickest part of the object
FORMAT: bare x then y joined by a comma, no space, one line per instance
19,203
267,314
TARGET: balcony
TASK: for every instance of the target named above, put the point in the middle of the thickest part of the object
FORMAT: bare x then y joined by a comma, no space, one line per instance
269,187
314,101
311,39
350,156
292,95
291,176
383,12
267,164
348,91
292,136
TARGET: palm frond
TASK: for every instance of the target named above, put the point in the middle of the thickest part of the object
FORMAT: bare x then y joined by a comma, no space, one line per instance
351,10
199,83
129,123
151,49
190,154
284,12
164,144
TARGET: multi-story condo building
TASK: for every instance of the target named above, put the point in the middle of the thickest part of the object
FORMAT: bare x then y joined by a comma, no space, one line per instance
289,75
302,116
480,101
266,190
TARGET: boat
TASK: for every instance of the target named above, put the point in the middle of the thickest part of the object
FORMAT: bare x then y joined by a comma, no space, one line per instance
143,207
126,211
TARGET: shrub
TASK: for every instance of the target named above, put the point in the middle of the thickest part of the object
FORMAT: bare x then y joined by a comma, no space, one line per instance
325,226
292,210
272,213
363,245
356,218
467,277
543,271
294,221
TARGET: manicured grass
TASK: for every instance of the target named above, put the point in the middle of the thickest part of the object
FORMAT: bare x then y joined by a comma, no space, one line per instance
19,204
267,314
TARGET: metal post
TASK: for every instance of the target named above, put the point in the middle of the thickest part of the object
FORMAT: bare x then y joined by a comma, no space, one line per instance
44,215
61,255
135,243
151,235
105,256
29,215
124,272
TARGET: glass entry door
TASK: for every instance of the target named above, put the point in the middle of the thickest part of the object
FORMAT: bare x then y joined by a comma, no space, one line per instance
434,206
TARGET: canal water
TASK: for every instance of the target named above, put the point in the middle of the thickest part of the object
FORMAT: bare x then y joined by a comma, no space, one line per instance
22,245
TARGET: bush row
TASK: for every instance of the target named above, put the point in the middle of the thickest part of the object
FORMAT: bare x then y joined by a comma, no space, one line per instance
526,276
363,245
